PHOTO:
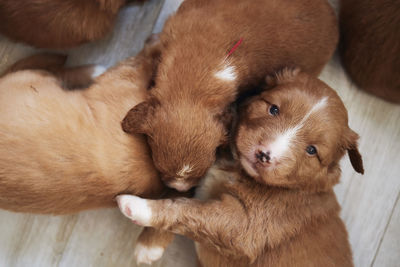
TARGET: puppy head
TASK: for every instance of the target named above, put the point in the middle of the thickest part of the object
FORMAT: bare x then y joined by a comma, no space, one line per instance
183,138
295,134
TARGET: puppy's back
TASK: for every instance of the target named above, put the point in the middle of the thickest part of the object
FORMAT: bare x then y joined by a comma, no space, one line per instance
273,33
57,23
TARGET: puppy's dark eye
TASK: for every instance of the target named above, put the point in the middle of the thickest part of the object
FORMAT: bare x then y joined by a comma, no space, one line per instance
311,150
274,110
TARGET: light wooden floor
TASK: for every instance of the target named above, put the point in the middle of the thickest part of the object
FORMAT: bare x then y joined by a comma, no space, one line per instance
371,206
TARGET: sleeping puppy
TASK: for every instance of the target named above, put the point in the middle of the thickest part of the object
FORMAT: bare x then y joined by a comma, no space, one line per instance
211,50
64,151
370,45
277,206
57,23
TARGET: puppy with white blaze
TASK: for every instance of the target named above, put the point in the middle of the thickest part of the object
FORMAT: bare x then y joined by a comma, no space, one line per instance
275,204
211,51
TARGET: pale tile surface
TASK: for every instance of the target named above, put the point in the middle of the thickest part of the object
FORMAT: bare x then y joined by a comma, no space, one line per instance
371,206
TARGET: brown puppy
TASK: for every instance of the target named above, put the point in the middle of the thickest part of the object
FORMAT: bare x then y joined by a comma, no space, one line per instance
282,211
64,151
370,45
211,49
57,23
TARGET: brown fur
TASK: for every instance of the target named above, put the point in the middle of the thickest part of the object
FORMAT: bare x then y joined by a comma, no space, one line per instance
150,237
183,117
57,23
262,218
70,78
64,151
370,45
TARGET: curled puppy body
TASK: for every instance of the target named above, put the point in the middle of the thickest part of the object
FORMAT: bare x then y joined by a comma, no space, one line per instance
197,78
57,23
64,151
277,207
370,45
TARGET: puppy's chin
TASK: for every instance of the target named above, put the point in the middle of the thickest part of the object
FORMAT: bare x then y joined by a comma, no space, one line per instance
256,172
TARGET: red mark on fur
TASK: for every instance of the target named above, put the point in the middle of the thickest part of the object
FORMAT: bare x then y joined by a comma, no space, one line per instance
235,47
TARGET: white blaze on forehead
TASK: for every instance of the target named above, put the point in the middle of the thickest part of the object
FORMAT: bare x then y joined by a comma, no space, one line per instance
228,73
283,141
318,106
186,169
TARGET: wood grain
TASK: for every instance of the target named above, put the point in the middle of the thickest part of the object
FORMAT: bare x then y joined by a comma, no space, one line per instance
367,201
371,206
389,250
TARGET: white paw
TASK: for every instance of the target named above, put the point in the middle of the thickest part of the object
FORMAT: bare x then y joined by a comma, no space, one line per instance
98,70
135,208
147,255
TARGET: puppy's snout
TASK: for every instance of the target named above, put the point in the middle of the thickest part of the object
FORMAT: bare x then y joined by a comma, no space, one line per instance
180,184
263,156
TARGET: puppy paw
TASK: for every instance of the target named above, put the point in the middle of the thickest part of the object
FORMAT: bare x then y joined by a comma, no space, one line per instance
147,255
135,208
97,71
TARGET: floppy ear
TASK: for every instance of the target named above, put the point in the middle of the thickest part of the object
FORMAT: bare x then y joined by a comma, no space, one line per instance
135,120
352,150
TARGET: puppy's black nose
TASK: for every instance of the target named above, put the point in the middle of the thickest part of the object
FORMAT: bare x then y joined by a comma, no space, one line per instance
263,156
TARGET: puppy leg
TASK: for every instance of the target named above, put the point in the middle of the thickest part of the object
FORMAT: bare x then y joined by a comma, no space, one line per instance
223,224
151,244
145,65
43,61
79,77
71,78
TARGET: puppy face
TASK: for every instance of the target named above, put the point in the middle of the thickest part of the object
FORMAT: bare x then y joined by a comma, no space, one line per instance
295,134
183,139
